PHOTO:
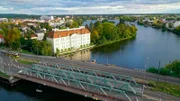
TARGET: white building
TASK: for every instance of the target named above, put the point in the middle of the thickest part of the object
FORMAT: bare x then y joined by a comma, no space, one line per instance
3,19
177,23
40,36
44,17
69,38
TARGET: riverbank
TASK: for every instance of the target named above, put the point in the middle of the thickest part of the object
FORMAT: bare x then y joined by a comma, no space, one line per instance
111,42
165,87
173,30
75,50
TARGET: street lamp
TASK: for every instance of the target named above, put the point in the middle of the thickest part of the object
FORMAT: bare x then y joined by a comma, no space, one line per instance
144,76
107,60
146,67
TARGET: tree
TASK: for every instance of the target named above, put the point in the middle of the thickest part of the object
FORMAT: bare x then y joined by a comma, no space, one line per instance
57,52
109,30
42,47
177,30
46,26
174,66
91,26
28,34
45,36
94,36
121,20
170,25
73,24
2,32
106,31
12,38
98,26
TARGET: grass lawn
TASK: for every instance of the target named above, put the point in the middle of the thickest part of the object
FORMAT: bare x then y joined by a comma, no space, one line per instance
168,88
26,61
27,52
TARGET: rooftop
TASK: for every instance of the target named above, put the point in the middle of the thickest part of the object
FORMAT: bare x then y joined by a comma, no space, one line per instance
1,36
68,32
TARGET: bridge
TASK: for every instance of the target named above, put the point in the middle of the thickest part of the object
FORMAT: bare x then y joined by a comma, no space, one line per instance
86,82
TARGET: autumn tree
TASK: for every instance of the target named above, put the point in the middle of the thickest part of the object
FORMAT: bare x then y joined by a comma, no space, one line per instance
94,36
12,38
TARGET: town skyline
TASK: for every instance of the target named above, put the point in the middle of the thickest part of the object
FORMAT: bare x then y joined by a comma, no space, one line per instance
60,7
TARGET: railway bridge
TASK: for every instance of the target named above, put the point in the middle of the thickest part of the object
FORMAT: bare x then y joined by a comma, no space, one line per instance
86,82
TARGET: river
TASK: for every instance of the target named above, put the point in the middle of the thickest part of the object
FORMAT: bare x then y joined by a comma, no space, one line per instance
26,91
150,46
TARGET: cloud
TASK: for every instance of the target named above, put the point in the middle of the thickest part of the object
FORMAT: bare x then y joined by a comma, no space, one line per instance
89,6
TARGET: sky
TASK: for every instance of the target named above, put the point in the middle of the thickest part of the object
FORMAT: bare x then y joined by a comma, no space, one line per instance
47,7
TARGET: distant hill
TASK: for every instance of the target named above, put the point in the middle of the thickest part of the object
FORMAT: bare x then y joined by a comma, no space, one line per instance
18,16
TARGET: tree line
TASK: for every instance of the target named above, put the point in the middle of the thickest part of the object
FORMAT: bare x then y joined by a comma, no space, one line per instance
106,31
15,40
172,69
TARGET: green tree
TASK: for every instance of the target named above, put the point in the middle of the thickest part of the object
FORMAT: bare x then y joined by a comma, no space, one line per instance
28,34
174,66
57,52
73,24
177,30
109,30
2,32
170,25
42,47
98,26
46,26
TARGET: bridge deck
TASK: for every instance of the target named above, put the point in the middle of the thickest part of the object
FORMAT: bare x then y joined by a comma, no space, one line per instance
84,81
66,88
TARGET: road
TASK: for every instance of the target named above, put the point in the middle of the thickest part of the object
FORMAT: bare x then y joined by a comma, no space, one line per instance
113,69
148,95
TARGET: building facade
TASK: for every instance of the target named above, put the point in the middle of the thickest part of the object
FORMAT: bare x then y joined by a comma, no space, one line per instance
44,17
69,38
176,24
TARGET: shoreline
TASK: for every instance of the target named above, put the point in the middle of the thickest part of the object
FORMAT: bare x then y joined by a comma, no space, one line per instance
164,30
115,41
77,50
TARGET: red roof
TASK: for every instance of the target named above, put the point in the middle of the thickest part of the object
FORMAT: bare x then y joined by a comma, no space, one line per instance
57,34
1,36
33,35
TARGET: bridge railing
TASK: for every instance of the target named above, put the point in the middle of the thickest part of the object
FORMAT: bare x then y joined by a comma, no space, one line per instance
98,73
85,77
70,81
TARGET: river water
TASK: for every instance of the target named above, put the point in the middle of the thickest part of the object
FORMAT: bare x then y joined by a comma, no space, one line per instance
150,46
26,91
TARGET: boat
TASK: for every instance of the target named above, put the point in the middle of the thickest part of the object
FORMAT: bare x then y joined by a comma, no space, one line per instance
38,90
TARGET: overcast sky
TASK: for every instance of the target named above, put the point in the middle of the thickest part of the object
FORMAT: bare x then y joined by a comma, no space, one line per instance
89,6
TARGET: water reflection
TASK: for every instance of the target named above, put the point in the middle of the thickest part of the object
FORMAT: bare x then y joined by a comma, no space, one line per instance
26,91
111,48
149,42
84,55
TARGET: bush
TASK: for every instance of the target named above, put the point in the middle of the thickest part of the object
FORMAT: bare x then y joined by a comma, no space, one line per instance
165,87
172,69
152,70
